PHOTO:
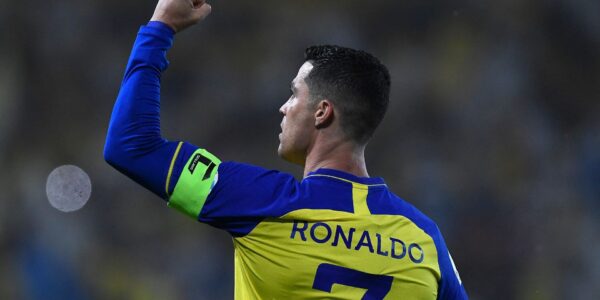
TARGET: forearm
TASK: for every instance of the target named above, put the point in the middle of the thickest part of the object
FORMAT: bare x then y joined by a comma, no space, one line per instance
134,144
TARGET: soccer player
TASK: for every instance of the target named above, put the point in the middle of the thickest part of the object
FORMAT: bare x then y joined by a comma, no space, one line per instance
337,233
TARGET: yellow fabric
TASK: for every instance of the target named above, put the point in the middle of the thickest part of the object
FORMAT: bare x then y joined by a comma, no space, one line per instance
168,182
195,183
359,197
270,264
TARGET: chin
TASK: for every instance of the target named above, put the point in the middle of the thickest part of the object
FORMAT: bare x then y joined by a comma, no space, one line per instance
289,157
282,153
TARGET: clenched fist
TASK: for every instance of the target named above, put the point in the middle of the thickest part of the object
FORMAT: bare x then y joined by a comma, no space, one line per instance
180,14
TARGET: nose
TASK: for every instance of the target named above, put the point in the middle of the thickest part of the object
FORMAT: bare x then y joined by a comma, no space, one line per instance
283,108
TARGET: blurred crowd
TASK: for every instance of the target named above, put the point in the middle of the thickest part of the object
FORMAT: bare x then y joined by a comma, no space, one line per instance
493,130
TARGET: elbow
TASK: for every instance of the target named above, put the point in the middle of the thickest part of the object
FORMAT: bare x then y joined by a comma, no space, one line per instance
109,152
113,152
122,151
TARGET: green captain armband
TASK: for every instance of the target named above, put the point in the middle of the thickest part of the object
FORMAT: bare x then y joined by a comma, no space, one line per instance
195,182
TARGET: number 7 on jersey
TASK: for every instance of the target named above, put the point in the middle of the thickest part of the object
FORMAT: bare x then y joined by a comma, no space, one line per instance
377,286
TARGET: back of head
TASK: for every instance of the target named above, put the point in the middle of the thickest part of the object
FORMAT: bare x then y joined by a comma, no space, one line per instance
355,82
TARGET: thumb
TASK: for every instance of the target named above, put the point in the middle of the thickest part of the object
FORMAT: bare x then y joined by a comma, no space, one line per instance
201,12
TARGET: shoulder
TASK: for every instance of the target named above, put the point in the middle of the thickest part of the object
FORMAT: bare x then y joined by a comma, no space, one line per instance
450,283
246,177
233,168
385,202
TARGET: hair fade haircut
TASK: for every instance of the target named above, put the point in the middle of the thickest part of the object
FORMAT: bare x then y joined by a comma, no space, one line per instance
355,81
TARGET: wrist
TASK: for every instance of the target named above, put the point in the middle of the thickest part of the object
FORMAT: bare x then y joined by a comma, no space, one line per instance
159,22
161,25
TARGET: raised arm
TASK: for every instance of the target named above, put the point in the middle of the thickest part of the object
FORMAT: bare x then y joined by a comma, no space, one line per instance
134,144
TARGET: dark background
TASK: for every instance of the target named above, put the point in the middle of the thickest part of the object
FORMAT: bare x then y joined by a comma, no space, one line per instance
493,131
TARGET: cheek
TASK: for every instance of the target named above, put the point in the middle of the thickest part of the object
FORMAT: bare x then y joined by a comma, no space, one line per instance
289,133
297,126
301,131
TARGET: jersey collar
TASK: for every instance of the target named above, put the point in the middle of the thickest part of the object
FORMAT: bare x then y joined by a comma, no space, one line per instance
340,175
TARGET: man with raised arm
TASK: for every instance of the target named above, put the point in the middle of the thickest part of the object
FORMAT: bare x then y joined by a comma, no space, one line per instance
337,233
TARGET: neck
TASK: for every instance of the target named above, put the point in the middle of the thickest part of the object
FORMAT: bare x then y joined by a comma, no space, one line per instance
344,156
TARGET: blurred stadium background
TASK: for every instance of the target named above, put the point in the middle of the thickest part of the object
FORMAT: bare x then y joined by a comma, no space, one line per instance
493,130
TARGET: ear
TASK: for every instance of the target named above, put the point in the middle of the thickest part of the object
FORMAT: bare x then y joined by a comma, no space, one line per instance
324,114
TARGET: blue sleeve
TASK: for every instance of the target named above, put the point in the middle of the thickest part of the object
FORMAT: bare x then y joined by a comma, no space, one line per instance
134,145
238,195
244,195
451,287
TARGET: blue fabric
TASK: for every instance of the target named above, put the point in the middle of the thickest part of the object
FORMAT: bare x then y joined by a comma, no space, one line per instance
161,26
344,175
134,144
378,202
245,195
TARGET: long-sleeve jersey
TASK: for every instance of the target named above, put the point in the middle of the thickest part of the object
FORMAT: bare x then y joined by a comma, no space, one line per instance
331,235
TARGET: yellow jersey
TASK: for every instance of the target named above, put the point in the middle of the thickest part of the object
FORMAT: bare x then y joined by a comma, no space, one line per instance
330,236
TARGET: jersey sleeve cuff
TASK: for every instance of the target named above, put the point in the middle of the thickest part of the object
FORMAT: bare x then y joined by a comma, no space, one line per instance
158,25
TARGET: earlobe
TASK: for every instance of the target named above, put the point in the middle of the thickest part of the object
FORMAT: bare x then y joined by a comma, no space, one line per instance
324,114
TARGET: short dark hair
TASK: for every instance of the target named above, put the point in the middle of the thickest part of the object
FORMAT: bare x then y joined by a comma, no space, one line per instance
355,81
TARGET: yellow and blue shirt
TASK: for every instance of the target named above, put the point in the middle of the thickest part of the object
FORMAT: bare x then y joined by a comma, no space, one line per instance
331,235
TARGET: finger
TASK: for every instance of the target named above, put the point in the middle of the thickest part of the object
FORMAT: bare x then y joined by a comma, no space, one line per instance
197,3
203,11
